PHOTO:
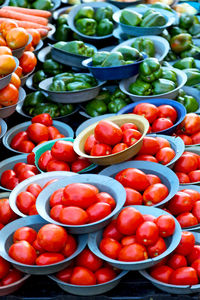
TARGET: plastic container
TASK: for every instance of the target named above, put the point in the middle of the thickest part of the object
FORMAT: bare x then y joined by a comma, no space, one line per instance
40,179
3,128
38,47
56,3
19,52
103,183
42,54
181,79
62,127
7,111
25,77
161,45
139,121
166,175
4,81
13,287
57,13
8,164
29,83
171,242
181,111
47,146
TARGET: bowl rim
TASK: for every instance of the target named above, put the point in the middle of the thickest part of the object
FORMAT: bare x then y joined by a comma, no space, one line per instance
73,54
17,65
25,277
23,95
3,127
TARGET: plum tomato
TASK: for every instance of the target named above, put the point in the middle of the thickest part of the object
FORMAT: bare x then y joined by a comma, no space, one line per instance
73,215
12,276
147,233
89,143
161,273
49,258
133,252
184,276
34,189
119,147
56,197
107,132
167,111
38,132
65,274
64,151
4,267
101,150
158,248
106,198
182,177
56,211
195,195
150,146
128,240
196,266
155,193
53,132
57,165
131,136
112,232
70,246
186,163
152,178
44,119
98,211
186,139
18,138
187,219
166,225
133,197
162,142
194,254
24,202
196,210
104,275
148,110
23,252
80,164
89,260
110,247
194,176
25,234
126,126
146,157
82,276
6,213
128,220
26,146
191,124
165,155
44,159
180,203
186,244
177,261
161,124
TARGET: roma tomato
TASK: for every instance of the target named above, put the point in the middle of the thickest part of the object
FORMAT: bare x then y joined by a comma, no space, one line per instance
191,124
56,197
133,252
53,132
162,142
194,254
147,233
196,266
161,273
25,201
166,225
56,211
195,195
89,260
101,150
186,244
37,247
152,178
177,261
194,176
4,267
63,150
98,211
186,139
119,147
110,247
104,275
148,110
146,157
112,232
186,163
158,248
57,165
167,111
149,218
196,138
126,126
49,182
133,197
44,159
70,246
6,213
82,276
12,276
89,143
80,164
106,198
180,203
44,119
25,234
73,215
34,189
25,175
196,210
187,219
128,220
49,258
26,146
184,276
28,61
165,155
65,274
182,177
23,252
25,167
161,124
18,138
155,193
128,240
149,146
38,132
131,136
107,132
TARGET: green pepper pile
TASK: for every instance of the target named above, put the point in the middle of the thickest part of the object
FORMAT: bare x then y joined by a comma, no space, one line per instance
75,47
72,82
37,103
63,31
188,101
107,102
188,65
37,4
153,79
151,18
94,22
144,45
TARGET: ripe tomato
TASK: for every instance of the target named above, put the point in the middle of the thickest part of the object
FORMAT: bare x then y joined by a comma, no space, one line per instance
150,146
98,211
177,261
25,175
111,231
57,165
28,61
38,132
149,218
25,234
133,252
128,240
186,244
65,274
106,198
107,132
182,177
12,276
119,147
184,276
44,159
147,233
33,210
180,203
24,202
9,95
162,142
89,143
158,248
133,178
49,182
131,136
4,267
167,111
63,150
56,197
126,126
73,215
196,266
110,247
155,193
17,167
104,275
194,254
80,164
196,210
101,150
70,246
49,258
37,247
165,155
191,124
44,119
89,260
161,273
82,276
53,132
56,211
9,179
146,157
52,237
26,147
195,138
128,220
186,163
6,213
187,219
34,189
194,176
186,139
152,178
195,195
148,110
161,124
166,225
18,138
133,197
23,252
79,194
25,167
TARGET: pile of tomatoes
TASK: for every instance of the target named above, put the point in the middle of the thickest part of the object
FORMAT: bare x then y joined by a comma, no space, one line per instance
160,117
87,269
8,274
7,215
109,138
50,245
79,204
189,129
133,236
182,267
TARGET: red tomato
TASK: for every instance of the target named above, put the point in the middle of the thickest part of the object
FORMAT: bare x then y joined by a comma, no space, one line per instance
196,210
101,150
180,203
82,276
196,138
182,177
194,254
79,194
6,213
166,225
155,193
194,176
186,139
52,237
28,61
146,157
196,266
6,176
80,164
56,197
133,252
161,273
73,215
44,159
148,110
25,175
63,150
18,138
161,124
38,132
128,220
191,124
133,197
177,261
152,178
22,168
111,231
89,143
11,183
12,276
133,178
167,111
17,167
26,146
70,246
23,252
49,258
187,219
89,260
128,240
158,248
186,244
25,234
98,211
107,132
65,274
107,198
147,233
53,132
24,202
34,189
150,146
33,210
149,218
57,165
195,195
44,119
37,247
131,136
4,267
186,163
56,211
119,147
162,142
126,126
49,182
31,158
165,155
110,247
184,276
104,275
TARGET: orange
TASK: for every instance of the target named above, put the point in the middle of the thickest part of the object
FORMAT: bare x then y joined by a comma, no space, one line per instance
28,62
35,35
15,80
7,64
6,26
5,50
18,71
17,38
9,95
2,41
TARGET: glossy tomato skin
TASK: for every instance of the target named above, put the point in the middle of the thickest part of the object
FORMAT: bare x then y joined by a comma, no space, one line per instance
107,132
4,267
80,164
148,110
182,177
24,202
133,252
126,126
165,155
34,189
186,139
150,146
106,198
187,219
194,194
101,150
57,165
184,276
167,111
194,254
49,182
63,150
119,147
162,142
191,124
98,211
146,157
112,232
25,234
158,248
12,276
6,213
23,252
49,258
180,203
44,119
73,215
128,240
133,197
65,274
25,175
186,163
161,273
44,159
110,247
18,138
26,146
56,197
53,132
82,276
153,179
155,193
177,261
70,246
147,233
38,132
128,221
89,260
104,275
131,136
149,218
56,211
195,138
89,143
196,266
161,124
196,210
166,225
194,176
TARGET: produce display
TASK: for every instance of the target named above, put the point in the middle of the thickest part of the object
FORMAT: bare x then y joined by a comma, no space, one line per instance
145,45
188,101
44,4
7,215
189,129
75,47
9,275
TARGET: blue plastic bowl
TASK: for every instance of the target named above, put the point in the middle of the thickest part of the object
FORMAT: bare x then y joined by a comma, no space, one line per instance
180,108
113,73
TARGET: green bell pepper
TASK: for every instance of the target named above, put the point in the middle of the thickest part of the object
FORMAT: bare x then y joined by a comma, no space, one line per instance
34,99
66,109
189,102
194,29
85,12
96,108
77,86
52,68
105,27
119,95
140,88
42,4
57,86
162,6
171,56
86,26
186,21
150,69
181,93
185,63
43,108
63,19
64,76
103,13
62,33
193,51
38,77
129,53
85,78
114,59
99,57
181,42
144,45
19,3
175,30
165,34
153,19
104,96
129,17
115,105
193,76
169,74
162,86
75,47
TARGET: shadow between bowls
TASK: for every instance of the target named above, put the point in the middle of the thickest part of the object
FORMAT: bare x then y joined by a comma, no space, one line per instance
42,54
29,83
124,4
19,52
103,183
25,77
4,81
38,47
3,128
35,222
171,242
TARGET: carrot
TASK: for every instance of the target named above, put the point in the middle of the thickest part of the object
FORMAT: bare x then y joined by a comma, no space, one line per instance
25,24
29,11
22,17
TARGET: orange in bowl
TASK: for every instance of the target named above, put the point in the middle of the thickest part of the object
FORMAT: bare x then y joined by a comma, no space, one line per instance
17,38
7,64
5,50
